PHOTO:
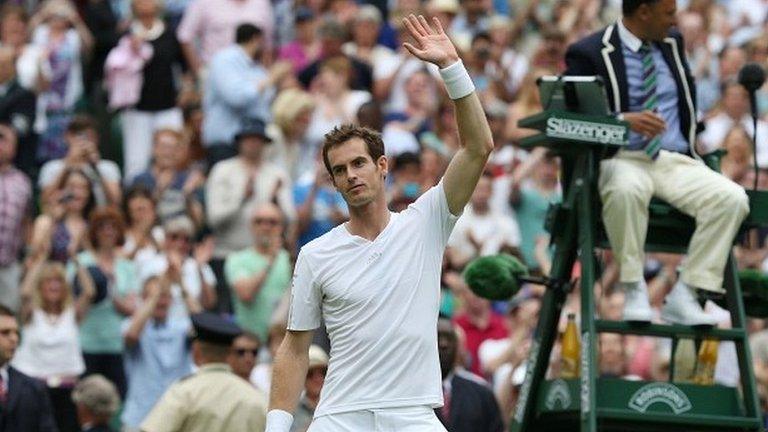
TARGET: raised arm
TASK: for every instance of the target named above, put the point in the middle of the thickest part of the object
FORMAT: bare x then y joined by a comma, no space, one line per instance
434,46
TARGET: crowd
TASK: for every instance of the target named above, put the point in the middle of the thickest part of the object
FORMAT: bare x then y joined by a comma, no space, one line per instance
160,158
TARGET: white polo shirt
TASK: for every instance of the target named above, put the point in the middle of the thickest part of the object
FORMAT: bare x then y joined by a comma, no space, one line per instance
380,301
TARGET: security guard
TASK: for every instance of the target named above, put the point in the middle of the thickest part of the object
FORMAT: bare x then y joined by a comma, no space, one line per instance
213,399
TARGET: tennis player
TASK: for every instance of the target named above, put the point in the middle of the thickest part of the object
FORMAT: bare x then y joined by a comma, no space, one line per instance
375,280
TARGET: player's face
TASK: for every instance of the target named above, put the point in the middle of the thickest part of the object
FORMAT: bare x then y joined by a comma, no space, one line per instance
358,178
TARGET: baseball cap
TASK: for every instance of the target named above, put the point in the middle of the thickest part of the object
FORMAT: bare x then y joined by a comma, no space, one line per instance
254,127
317,357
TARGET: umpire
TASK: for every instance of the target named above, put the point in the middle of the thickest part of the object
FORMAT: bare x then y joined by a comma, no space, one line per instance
213,399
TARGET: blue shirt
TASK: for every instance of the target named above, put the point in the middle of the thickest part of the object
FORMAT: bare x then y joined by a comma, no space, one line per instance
151,366
231,95
672,138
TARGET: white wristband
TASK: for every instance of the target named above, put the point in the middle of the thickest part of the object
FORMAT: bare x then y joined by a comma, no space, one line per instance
278,421
457,80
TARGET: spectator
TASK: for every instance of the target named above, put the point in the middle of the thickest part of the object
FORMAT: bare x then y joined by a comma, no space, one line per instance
32,410
211,25
189,276
366,28
143,236
472,19
468,402
531,200
735,113
97,401
550,53
17,109
14,34
479,323
336,101
480,230
319,207
234,189
318,366
50,351
305,48
60,232
406,169
260,274
103,23
238,87
213,399
261,376
489,79
82,139
100,330
390,76
243,354
500,358
291,149
332,35
15,206
721,69
737,162
509,63
527,103
612,355
421,105
61,35
178,189
504,153
157,352
153,106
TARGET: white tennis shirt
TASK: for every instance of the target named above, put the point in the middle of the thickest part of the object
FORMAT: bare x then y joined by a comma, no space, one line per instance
380,301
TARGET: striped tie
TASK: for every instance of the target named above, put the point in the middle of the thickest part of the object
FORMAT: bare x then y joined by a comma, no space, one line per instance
650,100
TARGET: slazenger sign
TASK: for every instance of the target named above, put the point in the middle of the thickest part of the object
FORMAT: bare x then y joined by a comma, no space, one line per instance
586,131
664,393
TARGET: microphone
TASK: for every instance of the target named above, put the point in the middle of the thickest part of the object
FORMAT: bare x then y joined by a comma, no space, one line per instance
752,77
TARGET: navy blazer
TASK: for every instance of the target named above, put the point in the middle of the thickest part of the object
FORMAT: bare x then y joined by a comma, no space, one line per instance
27,408
473,407
601,54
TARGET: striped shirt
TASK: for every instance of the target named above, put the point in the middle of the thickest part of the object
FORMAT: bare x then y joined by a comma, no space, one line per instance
15,198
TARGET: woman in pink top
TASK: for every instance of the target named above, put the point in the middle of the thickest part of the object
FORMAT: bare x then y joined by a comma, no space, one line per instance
305,48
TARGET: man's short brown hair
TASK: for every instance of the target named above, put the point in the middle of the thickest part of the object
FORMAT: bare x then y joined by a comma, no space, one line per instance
341,134
81,123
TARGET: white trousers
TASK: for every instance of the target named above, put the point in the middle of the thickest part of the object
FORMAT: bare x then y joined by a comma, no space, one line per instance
138,130
411,419
629,180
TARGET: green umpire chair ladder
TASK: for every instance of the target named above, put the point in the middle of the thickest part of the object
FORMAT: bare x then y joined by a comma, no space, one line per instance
591,403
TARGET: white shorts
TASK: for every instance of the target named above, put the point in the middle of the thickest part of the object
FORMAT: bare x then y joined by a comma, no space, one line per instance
404,419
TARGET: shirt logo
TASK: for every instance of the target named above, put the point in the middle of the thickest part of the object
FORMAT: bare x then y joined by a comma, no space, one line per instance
373,257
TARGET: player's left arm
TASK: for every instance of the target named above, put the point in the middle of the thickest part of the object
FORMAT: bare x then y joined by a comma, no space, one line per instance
476,142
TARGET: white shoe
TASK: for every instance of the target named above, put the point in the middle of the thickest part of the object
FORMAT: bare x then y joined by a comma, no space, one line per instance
637,308
682,307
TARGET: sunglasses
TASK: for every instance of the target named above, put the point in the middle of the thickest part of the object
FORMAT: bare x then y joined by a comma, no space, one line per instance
178,236
241,352
266,221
